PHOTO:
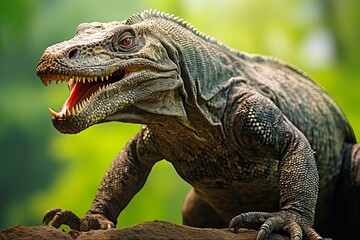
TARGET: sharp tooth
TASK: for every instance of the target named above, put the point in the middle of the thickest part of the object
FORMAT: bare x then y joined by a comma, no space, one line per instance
83,79
53,113
79,107
76,79
107,77
67,113
89,79
71,83
102,78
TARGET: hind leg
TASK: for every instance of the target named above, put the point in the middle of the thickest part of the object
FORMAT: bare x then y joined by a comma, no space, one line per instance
347,208
197,213
351,185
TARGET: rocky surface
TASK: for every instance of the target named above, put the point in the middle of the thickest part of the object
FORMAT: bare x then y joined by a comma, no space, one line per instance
149,230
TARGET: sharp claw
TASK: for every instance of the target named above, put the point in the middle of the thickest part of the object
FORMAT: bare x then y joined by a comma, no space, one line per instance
261,234
236,223
46,221
231,224
266,229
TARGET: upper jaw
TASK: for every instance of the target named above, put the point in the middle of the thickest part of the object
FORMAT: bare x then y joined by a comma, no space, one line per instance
47,79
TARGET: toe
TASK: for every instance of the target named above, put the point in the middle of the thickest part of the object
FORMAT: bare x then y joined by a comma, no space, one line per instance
312,234
295,231
58,217
236,223
266,229
49,215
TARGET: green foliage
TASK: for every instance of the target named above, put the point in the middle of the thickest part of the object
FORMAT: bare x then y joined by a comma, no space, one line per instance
41,168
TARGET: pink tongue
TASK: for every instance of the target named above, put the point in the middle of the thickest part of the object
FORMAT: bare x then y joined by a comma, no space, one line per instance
80,91
77,90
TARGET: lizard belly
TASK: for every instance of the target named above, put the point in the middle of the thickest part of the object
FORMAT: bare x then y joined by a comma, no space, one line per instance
230,182
244,198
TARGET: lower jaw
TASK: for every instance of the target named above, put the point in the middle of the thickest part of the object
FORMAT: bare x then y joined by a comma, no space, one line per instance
69,125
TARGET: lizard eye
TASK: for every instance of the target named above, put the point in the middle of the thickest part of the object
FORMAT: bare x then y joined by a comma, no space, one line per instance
126,42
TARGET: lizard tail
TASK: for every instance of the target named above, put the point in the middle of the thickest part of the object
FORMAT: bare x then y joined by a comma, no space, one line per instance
347,206
351,167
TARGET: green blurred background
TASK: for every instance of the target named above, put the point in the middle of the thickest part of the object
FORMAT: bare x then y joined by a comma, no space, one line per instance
41,168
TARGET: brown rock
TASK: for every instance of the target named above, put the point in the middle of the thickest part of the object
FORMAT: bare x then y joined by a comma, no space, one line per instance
159,230
32,233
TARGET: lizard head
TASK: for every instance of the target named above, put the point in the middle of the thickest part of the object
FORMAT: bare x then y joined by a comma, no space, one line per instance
115,71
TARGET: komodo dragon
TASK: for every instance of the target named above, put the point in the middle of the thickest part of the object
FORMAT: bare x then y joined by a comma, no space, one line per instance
261,144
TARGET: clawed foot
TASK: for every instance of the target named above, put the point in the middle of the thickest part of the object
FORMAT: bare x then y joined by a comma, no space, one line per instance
58,217
287,221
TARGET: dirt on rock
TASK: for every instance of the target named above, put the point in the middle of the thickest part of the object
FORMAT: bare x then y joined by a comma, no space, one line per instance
145,231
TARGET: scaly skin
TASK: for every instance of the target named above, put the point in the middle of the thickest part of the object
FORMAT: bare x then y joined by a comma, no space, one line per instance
261,144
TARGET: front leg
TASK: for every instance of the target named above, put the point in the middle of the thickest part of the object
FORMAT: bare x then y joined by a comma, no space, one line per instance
261,128
125,177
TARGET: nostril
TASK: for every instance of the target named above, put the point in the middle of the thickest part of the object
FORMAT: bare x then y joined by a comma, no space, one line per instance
73,53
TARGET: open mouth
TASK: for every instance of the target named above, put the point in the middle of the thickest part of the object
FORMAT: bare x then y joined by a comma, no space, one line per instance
82,90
